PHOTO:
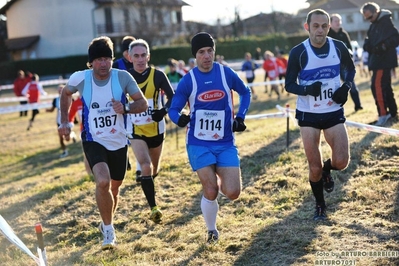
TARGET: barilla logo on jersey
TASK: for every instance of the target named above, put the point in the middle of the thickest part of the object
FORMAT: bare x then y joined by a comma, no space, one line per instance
211,96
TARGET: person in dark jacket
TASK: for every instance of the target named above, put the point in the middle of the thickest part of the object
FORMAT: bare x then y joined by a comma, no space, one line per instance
124,62
337,32
381,42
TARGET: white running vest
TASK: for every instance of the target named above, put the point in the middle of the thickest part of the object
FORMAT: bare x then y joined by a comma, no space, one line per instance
325,70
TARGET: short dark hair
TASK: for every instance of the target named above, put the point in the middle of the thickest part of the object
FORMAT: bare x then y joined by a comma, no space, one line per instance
370,6
317,11
126,42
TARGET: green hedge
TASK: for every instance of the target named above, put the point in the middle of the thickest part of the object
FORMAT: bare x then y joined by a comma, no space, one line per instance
230,49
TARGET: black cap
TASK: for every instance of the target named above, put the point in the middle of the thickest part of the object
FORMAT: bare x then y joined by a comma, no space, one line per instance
100,47
201,40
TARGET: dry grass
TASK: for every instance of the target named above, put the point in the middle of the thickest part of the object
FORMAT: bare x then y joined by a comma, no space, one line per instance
270,224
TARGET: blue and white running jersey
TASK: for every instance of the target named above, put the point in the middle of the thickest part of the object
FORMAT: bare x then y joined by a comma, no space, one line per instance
210,100
326,70
100,122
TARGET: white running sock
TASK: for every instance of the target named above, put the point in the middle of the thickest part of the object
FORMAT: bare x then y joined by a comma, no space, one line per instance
108,227
210,210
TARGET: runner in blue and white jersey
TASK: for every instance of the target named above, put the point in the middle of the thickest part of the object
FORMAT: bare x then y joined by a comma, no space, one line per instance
208,91
103,93
313,73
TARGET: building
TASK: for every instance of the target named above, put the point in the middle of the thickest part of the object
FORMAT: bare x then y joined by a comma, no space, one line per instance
58,28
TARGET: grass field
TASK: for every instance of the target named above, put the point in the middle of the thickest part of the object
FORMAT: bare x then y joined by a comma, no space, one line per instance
270,224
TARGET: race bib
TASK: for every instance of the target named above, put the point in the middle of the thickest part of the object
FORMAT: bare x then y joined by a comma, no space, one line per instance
209,124
323,101
144,117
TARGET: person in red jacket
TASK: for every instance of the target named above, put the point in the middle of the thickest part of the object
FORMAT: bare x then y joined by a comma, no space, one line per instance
19,84
272,66
76,109
56,106
33,90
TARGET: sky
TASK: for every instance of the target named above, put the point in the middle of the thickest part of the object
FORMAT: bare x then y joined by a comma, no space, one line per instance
208,11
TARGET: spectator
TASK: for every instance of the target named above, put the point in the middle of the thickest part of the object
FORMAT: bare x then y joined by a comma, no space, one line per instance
181,67
76,111
248,67
191,63
56,106
337,32
123,62
33,90
365,64
220,60
19,84
381,42
282,68
173,75
271,66
258,54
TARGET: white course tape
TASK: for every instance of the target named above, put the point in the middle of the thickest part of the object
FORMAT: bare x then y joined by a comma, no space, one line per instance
266,83
13,238
23,98
377,129
265,116
43,82
24,107
382,130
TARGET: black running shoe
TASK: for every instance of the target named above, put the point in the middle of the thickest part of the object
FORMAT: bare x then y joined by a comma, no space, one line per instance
328,182
320,213
213,237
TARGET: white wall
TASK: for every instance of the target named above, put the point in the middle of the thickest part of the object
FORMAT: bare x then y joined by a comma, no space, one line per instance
65,27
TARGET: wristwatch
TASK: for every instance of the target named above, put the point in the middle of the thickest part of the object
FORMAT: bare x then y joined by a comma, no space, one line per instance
127,108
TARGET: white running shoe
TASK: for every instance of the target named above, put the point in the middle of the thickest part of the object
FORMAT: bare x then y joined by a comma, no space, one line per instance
109,238
73,136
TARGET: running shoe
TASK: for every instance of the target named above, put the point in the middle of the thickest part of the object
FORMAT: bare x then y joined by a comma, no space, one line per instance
382,120
213,237
156,215
64,154
320,213
328,182
73,136
109,238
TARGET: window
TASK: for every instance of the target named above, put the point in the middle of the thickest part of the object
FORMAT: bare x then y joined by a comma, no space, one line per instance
349,19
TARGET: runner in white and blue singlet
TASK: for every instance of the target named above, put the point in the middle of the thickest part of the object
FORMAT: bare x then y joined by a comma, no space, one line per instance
313,73
104,107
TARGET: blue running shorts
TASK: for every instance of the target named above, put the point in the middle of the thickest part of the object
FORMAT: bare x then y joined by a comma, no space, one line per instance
222,156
